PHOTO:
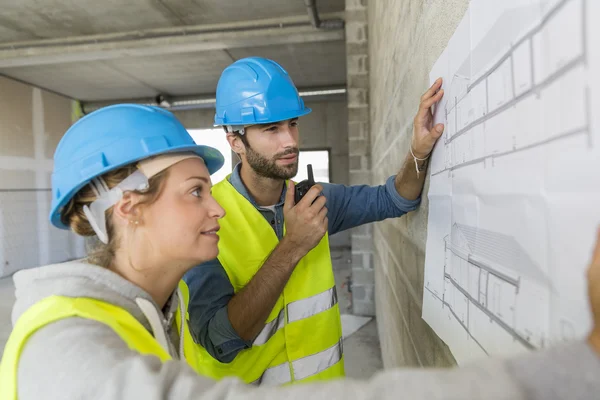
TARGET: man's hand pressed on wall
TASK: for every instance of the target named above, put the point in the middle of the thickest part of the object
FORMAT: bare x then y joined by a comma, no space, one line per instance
424,133
411,177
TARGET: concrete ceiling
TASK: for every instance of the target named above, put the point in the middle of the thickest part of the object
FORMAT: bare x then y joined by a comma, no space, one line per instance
113,49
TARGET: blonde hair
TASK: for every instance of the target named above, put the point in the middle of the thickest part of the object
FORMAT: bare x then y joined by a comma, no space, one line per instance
73,215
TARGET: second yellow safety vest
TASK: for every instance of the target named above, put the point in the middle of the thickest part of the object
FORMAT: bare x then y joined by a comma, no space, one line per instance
302,338
55,308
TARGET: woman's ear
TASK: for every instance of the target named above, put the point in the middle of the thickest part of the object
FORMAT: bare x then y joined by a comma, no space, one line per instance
127,209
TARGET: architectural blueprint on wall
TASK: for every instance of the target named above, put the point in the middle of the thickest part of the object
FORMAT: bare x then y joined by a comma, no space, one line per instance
515,179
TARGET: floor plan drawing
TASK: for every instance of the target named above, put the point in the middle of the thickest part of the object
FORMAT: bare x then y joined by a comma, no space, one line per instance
506,247
520,81
489,275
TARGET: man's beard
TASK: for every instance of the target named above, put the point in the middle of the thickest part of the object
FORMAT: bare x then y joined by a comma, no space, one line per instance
268,168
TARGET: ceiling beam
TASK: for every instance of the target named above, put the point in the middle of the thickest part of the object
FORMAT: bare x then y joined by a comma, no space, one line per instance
208,100
167,41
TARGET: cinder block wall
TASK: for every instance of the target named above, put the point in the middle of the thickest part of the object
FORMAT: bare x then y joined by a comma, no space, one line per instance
32,121
405,39
357,73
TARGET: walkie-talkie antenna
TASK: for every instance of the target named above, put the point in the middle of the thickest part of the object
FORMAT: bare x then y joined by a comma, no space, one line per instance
311,177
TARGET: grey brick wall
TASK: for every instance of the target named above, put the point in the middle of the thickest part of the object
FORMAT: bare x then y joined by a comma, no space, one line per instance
357,63
405,39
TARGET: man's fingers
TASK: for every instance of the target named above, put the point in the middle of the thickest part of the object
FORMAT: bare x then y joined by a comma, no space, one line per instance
432,89
319,204
430,92
425,113
311,195
594,268
427,103
322,214
437,131
289,196
596,257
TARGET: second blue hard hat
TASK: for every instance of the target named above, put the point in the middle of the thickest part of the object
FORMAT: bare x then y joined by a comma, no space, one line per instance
256,90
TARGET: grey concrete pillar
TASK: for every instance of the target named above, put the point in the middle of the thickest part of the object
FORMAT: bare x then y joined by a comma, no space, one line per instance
357,63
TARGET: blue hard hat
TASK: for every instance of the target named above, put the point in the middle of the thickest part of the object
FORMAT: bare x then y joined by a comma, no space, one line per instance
113,137
256,90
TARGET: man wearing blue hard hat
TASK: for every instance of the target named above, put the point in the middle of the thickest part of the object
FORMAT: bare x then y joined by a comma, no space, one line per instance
266,309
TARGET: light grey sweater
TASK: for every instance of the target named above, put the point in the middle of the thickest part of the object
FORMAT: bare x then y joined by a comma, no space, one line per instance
82,359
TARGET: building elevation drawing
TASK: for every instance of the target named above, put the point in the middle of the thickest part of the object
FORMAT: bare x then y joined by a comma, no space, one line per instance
515,179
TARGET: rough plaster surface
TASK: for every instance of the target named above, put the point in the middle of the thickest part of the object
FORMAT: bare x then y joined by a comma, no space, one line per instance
405,39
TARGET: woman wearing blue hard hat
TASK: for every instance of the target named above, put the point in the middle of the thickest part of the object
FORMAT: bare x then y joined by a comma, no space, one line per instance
132,176
113,326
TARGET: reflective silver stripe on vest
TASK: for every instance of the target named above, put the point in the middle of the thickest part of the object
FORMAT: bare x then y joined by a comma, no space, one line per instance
303,367
269,330
310,306
276,376
298,310
311,365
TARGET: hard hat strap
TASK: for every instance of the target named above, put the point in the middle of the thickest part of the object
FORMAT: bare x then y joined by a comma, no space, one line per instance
236,128
106,198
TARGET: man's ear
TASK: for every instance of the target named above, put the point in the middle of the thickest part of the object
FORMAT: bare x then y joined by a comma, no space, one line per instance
236,143
127,210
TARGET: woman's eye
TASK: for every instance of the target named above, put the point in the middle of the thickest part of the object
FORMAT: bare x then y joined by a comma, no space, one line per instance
272,129
294,124
196,192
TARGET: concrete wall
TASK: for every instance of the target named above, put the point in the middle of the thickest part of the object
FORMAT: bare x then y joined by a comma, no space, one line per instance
357,77
405,39
32,122
325,127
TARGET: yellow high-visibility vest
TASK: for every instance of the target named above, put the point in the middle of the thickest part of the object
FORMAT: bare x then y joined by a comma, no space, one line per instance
55,308
302,338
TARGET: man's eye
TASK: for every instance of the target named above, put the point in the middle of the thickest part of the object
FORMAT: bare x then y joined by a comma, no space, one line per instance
295,123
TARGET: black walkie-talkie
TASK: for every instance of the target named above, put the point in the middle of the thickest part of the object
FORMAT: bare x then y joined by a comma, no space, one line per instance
303,187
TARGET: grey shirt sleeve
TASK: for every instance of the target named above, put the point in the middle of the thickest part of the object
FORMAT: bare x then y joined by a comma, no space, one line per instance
76,358
81,359
210,292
